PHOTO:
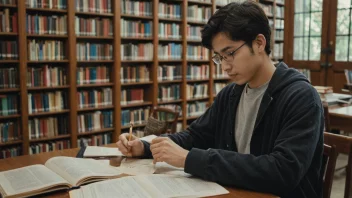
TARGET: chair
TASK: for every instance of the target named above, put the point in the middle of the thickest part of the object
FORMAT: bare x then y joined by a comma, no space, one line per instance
326,116
163,116
343,145
328,169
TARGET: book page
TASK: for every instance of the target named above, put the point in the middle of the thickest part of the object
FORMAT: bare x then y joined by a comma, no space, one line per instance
28,179
76,169
148,138
164,168
97,151
115,188
132,166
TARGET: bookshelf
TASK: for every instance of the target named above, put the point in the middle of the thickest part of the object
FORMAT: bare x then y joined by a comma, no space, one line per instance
117,70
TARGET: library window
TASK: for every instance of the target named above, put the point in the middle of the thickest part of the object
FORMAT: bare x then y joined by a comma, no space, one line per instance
343,31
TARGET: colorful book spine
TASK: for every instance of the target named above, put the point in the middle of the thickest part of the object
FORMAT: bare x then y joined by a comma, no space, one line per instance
196,108
193,32
8,21
280,11
197,53
196,72
39,24
47,102
94,121
10,131
10,152
94,51
132,96
46,76
39,50
169,92
169,30
225,2
278,50
198,13
53,4
93,75
49,146
138,8
268,9
8,105
279,24
141,51
131,74
93,26
169,11
9,78
95,140
136,29
197,91
170,51
8,50
96,6
136,116
169,72
8,2
94,98
279,34
47,127
218,87
219,72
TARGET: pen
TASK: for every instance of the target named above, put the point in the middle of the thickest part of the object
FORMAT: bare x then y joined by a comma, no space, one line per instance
130,136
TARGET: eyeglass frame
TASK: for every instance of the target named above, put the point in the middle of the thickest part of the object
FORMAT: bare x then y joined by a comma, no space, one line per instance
228,54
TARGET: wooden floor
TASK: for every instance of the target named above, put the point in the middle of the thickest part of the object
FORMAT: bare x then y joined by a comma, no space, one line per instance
338,186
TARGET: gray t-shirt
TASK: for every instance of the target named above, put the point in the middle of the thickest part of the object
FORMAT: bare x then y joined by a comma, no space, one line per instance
247,111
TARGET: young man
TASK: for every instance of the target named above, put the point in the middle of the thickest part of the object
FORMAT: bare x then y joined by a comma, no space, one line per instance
264,132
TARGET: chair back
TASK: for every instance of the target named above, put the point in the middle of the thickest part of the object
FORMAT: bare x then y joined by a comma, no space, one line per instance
328,169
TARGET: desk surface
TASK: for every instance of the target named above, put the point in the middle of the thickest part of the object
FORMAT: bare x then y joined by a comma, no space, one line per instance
342,111
21,161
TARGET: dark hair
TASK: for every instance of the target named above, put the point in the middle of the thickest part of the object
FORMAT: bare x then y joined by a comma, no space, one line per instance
240,21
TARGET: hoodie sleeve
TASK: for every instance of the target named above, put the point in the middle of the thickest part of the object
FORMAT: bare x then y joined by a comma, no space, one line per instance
278,172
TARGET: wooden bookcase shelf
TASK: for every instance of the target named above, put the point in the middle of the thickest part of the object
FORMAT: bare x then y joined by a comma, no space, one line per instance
71,64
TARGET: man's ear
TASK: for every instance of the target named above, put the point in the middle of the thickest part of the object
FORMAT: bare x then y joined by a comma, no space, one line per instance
260,43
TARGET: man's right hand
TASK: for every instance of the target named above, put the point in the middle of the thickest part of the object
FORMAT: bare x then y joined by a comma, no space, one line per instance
133,148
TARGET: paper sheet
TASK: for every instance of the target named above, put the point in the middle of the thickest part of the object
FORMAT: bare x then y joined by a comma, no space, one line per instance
148,138
132,166
97,151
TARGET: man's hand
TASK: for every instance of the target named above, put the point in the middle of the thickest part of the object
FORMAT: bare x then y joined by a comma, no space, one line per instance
165,150
133,148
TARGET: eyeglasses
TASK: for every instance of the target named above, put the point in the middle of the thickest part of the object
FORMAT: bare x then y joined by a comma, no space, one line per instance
217,59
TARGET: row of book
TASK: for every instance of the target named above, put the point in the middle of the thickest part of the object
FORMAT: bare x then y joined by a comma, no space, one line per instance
47,127
169,31
169,92
96,6
305,72
53,4
10,152
10,131
138,8
193,32
280,11
8,21
279,23
47,102
94,98
39,24
195,72
45,50
219,72
278,50
279,34
8,50
196,108
8,105
170,51
8,2
95,140
131,74
218,87
197,91
93,51
136,116
94,121
93,75
268,9
8,78
46,76
49,146
93,26
141,51
348,74
132,96
197,53
169,72
169,11
225,2
139,29
198,13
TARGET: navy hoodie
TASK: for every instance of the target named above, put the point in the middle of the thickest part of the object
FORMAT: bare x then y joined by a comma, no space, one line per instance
286,146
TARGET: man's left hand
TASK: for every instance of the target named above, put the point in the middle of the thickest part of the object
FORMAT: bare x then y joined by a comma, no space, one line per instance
165,150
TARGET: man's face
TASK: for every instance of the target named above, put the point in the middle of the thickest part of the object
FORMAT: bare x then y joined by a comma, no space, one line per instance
242,65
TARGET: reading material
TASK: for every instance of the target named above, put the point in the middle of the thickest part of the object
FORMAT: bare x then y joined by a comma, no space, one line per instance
148,138
150,186
58,173
96,151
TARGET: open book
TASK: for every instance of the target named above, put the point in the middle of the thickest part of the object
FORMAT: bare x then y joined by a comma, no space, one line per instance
150,186
58,173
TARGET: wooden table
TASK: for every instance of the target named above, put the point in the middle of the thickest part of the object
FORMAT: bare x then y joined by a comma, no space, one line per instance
341,118
21,161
